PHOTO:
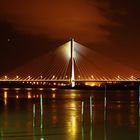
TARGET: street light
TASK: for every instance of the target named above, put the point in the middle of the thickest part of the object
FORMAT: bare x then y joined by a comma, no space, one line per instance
29,77
5,77
53,77
118,77
132,77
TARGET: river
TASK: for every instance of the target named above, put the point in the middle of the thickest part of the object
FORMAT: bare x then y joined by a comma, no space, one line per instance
62,119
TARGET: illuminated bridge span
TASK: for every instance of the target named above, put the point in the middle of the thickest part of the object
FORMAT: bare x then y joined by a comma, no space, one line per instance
72,62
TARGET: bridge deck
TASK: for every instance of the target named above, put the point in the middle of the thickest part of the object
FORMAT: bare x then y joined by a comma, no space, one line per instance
62,80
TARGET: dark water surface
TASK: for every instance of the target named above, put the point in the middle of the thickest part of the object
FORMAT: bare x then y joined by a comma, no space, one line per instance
62,115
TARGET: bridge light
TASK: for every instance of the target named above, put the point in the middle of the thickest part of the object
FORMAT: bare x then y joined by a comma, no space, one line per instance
118,77
44,83
66,76
132,77
41,89
17,76
5,77
29,77
92,76
53,77
79,76
53,89
41,77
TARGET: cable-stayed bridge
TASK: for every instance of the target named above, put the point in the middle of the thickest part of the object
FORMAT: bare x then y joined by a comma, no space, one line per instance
72,63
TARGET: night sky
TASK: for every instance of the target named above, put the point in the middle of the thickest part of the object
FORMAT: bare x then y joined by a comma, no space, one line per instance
30,28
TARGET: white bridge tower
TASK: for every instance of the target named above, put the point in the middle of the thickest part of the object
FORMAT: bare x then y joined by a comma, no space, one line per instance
72,80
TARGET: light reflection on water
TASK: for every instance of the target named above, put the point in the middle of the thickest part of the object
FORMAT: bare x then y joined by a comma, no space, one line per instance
5,97
62,115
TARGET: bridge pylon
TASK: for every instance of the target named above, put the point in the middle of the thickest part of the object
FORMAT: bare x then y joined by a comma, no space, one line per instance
72,80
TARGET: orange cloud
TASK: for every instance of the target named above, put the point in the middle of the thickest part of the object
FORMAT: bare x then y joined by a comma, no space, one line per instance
57,19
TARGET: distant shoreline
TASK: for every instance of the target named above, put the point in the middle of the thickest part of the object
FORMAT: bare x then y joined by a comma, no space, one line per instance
113,86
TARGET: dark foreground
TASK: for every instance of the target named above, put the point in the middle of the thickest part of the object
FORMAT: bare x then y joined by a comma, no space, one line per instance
62,115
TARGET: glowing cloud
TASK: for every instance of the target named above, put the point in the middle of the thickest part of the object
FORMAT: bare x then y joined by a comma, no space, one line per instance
57,19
